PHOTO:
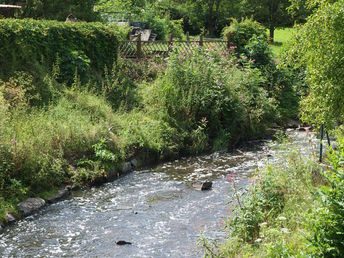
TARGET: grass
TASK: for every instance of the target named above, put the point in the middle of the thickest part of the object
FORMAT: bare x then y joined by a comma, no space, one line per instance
282,36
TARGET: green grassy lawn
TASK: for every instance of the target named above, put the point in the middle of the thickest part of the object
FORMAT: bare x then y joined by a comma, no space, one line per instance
281,37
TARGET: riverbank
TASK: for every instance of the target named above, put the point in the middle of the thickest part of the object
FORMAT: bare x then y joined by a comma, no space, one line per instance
33,204
292,208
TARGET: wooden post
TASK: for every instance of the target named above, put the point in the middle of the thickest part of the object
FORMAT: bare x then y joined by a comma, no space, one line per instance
170,44
201,40
188,37
321,142
139,47
228,42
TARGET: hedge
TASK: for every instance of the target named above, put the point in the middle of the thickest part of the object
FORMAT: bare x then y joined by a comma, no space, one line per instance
26,43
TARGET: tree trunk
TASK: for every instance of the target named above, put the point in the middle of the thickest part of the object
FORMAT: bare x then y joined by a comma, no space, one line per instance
210,21
272,19
272,32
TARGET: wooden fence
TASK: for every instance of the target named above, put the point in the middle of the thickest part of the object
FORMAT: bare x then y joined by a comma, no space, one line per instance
146,49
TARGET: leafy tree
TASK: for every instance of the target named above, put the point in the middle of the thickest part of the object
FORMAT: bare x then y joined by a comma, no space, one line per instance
272,13
57,10
318,47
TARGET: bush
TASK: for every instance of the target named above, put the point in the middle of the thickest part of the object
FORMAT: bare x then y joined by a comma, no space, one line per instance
272,218
313,49
119,86
205,93
328,219
240,33
163,26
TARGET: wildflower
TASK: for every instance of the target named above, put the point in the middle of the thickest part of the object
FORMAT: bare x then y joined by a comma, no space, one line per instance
258,240
285,230
229,179
282,218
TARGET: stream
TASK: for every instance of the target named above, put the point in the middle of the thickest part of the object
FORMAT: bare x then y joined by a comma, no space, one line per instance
156,209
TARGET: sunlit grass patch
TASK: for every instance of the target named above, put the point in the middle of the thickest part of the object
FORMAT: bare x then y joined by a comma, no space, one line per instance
282,36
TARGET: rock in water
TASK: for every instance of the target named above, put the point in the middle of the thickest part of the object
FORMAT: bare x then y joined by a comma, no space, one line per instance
10,218
62,193
127,167
133,163
31,205
202,186
122,242
293,124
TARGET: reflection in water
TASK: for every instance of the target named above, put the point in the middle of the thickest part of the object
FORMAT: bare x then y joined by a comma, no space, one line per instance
156,210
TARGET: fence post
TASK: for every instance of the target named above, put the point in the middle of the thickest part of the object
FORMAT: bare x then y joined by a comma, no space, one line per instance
228,42
201,40
170,44
321,142
139,47
187,37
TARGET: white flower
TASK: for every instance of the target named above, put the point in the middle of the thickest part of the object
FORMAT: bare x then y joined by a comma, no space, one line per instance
285,230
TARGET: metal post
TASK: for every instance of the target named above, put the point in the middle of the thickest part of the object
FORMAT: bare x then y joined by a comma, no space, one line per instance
328,139
321,142
201,40
188,37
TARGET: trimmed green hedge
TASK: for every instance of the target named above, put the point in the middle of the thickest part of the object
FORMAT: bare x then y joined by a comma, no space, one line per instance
24,44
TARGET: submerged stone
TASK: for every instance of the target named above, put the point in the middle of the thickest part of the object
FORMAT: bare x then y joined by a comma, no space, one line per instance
203,186
122,242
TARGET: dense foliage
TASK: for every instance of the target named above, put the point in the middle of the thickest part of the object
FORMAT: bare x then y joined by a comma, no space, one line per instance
293,208
56,10
82,132
319,50
327,223
206,97
30,45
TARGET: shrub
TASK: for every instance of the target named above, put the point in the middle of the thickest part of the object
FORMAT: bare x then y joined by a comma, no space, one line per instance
204,92
272,218
328,218
257,49
163,26
119,86
240,33
313,49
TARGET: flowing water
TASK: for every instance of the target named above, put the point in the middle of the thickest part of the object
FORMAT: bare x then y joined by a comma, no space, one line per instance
157,210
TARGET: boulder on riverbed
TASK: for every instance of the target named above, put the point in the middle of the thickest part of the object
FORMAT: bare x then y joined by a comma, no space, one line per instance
30,205
203,186
61,194
127,167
